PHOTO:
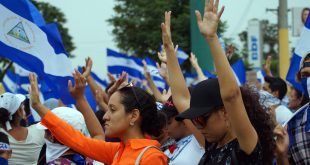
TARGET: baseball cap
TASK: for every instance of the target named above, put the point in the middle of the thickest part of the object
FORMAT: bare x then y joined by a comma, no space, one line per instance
69,115
11,102
205,98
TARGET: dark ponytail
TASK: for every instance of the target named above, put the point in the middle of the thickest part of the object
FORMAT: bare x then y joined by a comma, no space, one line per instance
4,116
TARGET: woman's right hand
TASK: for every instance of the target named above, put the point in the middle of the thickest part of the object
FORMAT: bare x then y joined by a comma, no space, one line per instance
282,141
34,91
211,18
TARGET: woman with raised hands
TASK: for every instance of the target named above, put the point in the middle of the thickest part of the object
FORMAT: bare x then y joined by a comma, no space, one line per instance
132,113
237,129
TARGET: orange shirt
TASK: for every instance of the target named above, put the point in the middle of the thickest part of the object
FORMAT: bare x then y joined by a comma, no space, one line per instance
104,151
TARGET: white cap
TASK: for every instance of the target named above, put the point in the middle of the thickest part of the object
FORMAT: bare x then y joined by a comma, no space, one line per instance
11,102
69,115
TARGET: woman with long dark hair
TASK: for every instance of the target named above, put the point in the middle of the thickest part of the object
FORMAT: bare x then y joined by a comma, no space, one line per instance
237,129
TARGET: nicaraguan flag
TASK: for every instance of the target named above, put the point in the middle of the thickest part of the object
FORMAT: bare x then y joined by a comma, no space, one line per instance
260,75
118,62
239,71
191,78
182,56
26,40
302,48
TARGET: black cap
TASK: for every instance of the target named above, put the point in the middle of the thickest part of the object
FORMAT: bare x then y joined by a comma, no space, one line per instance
205,98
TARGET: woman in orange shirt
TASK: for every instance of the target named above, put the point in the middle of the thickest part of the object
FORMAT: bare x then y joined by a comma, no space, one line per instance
132,113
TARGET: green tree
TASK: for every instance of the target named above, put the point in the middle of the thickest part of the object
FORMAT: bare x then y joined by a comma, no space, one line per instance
137,25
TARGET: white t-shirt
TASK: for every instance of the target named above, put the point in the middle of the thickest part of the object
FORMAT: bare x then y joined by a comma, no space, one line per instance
188,151
283,114
28,150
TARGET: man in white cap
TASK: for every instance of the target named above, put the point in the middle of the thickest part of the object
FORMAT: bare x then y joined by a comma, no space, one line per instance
26,142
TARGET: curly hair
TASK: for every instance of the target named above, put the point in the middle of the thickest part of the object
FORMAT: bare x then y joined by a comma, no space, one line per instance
137,98
261,121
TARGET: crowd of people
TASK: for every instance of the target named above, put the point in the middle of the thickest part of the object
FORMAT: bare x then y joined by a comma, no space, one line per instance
216,121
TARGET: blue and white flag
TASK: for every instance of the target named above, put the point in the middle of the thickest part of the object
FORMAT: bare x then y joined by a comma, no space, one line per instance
118,62
192,78
302,49
239,71
26,40
260,75
182,56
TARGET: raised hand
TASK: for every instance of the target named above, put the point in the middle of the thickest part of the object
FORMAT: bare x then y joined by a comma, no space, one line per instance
267,65
162,70
121,82
87,67
209,23
193,60
162,56
34,91
77,91
282,140
147,74
111,78
166,35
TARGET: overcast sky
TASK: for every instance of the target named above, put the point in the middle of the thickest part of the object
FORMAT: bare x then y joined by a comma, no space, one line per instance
91,33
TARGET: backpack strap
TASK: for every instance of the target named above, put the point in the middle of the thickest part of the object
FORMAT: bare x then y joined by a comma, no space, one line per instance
142,153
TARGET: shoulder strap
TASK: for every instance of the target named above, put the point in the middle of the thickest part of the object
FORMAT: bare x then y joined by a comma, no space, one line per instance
142,153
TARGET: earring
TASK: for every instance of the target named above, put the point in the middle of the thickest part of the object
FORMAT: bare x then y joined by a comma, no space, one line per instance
131,123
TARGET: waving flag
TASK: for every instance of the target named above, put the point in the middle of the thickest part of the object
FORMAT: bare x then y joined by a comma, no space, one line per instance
302,48
260,74
239,71
118,62
26,40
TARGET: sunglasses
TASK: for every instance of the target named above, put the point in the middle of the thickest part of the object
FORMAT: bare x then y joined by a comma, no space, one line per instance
130,85
201,121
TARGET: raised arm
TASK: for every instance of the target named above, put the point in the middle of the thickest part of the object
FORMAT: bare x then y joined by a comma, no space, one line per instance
77,92
94,87
230,91
196,66
267,65
156,93
179,90
67,135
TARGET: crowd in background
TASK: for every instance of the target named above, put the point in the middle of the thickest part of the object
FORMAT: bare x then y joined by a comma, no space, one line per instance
215,121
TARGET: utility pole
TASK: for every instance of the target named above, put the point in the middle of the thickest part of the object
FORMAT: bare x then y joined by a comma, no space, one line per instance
283,39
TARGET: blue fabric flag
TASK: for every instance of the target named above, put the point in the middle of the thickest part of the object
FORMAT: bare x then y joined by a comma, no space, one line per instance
118,62
239,71
301,50
35,46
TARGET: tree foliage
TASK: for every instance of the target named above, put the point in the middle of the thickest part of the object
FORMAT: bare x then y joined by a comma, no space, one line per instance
137,25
